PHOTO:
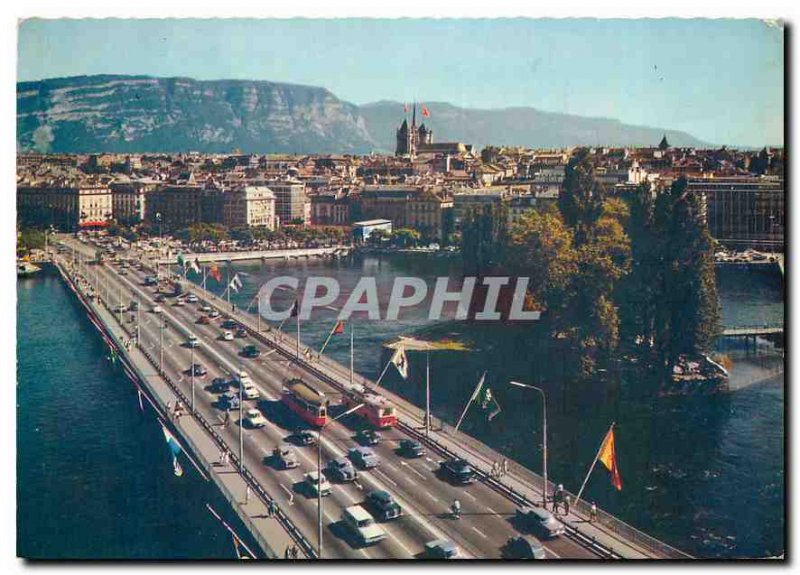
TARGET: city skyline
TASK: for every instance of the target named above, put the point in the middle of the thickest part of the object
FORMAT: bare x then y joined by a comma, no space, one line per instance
719,80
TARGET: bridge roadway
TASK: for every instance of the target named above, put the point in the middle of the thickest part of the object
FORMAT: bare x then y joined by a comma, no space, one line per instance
481,532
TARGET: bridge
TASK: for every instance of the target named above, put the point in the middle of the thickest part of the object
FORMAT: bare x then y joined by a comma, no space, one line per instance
152,349
749,331
291,254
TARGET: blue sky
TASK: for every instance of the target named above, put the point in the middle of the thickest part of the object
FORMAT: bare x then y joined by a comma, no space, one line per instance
720,80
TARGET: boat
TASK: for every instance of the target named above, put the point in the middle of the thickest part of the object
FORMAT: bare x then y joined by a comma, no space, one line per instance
26,269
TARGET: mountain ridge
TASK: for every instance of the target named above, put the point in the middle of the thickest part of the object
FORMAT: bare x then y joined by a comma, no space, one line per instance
142,113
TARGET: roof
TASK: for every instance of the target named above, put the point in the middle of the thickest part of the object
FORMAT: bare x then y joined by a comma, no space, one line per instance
371,223
305,391
358,513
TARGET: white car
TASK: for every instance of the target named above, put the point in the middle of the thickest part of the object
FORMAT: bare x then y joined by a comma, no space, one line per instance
362,525
253,418
227,335
192,341
157,309
179,302
250,391
191,298
205,308
317,486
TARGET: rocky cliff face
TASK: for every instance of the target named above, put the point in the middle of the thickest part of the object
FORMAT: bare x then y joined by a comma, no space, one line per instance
136,114
144,114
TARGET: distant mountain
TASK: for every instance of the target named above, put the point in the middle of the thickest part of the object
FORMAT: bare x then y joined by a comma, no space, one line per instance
143,114
111,113
517,127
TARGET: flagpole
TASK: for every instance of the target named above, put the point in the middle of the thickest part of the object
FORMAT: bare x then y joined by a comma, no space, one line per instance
330,335
596,457
471,399
258,315
205,273
228,272
298,335
388,363
351,353
427,393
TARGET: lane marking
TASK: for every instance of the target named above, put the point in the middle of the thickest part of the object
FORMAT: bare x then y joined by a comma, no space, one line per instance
418,473
492,511
470,495
387,478
481,533
431,496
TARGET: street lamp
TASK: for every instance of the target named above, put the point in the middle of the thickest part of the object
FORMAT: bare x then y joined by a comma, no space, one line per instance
160,239
319,477
544,435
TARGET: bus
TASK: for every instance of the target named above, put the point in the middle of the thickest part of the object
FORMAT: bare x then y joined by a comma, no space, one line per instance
306,401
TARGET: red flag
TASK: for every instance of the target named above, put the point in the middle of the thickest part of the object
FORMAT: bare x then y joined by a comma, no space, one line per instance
339,327
609,459
405,108
425,112
213,271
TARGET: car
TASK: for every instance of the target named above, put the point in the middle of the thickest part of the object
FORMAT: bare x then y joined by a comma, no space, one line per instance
523,547
241,332
213,314
384,505
368,437
227,336
253,418
249,390
123,272
250,351
304,437
197,369
160,298
205,308
341,469
410,448
192,341
286,456
229,401
120,307
151,281
362,525
157,309
219,385
241,376
229,324
364,457
440,549
457,471
539,521
203,320
134,305
318,485
191,298
179,303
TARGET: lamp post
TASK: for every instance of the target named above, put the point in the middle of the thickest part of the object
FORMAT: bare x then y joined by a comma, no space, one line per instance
160,240
161,344
319,477
544,435
192,362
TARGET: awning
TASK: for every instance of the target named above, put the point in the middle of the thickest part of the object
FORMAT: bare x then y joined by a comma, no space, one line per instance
93,224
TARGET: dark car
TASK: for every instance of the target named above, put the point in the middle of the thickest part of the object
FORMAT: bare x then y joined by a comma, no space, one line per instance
229,324
523,547
150,281
250,351
304,437
229,401
368,437
241,332
440,549
134,305
411,448
539,521
160,298
219,385
341,469
384,505
197,369
457,471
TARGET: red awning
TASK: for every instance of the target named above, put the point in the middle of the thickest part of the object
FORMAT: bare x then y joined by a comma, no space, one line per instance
99,223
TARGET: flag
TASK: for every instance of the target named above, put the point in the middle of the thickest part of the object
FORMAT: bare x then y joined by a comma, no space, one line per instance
139,393
213,271
294,310
425,112
405,108
478,388
181,260
338,328
195,266
400,362
236,283
609,459
175,449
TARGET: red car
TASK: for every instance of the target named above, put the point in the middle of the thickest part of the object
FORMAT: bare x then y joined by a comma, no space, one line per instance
204,320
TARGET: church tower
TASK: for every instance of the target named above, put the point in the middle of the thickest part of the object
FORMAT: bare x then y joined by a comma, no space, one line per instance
408,136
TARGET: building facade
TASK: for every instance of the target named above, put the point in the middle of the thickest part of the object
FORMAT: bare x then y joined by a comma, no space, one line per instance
249,206
68,208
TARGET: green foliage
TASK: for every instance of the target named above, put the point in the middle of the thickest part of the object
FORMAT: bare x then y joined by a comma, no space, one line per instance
405,237
29,239
484,237
582,198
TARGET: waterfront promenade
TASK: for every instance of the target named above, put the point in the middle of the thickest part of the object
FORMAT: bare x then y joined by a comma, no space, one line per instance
488,504
291,254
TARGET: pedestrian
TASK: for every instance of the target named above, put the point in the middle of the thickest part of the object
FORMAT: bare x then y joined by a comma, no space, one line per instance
272,508
288,553
295,552
227,416
593,513
505,466
566,505
247,495
494,469
222,456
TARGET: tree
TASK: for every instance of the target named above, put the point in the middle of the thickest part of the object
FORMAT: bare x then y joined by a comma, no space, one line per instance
405,237
688,311
484,235
581,199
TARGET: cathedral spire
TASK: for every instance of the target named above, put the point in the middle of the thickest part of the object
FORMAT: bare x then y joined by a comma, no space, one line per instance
414,116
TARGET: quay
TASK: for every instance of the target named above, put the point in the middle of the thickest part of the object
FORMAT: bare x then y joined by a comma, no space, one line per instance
158,364
292,254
